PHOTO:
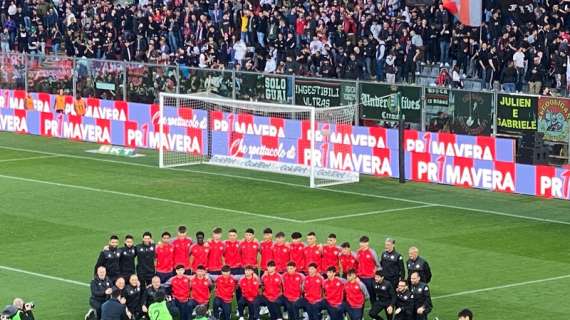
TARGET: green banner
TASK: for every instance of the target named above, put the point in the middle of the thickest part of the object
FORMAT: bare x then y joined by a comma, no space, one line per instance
324,94
472,112
375,104
259,87
516,113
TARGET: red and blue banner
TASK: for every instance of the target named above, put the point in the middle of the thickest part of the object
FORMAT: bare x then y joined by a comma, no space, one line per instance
467,161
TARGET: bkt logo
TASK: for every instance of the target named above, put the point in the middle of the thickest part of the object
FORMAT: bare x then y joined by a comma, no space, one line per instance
555,187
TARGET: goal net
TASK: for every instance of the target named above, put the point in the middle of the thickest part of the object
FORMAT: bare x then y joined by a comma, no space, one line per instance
282,139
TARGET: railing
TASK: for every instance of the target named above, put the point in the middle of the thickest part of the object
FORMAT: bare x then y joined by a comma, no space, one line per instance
529,119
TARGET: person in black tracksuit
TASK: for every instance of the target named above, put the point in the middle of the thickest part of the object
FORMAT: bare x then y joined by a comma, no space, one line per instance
418,264
421,297
101,288
109,258
385,297
127,260
404,302
392,263
145,260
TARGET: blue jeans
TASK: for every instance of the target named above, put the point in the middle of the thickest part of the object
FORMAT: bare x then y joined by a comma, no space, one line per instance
172,41
252,308
508,87
261,38
335,313
222,310
354,313
380,70
444,52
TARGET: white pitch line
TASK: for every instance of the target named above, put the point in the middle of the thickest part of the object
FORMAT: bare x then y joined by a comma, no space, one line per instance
45,276
518,284
140,196
367,213
368,195
30,158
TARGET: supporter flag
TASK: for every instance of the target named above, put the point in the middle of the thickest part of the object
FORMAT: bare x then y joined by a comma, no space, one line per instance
469,12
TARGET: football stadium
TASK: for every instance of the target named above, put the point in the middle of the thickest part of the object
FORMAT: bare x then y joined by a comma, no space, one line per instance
274,159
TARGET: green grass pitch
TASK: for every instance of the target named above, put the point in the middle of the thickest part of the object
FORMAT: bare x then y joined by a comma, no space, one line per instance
505,256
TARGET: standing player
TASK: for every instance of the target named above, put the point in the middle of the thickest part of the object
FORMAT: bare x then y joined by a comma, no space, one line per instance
367,265
164,258
249,286
216,253
356,294
101,289
266,249
181,246
272,291
145,259
422,297
385,297
417,264
127,261
347,259
199,252
180,291
297,248
249,249
331,253
313,288
313,252
281,252
110,259
225,289
392,263
292,291
334,295
232,256
201,285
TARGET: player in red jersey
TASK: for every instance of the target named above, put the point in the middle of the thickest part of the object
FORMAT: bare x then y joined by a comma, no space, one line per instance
225,288
272,291
313,252
347,259
232,256
216,253
180,291
164,255
249,249
313,289
249,286
368,263
331,253
297,250
181,246
199,252
292,291
334,294
266,249
201,285
356,294
281,252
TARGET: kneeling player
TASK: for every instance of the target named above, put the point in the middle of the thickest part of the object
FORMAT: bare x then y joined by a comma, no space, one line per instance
249,286
313,288
292,291
334,294
272,291
200,284
356,295
225,289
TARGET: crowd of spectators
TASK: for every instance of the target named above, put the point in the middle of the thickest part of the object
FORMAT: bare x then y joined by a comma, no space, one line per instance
388,40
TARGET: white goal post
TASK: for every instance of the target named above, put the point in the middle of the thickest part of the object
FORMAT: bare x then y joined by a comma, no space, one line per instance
205,128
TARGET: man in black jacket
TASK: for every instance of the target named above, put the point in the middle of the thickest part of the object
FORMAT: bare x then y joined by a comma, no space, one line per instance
101,289
110,259
385,297
421,297
418,264
114,308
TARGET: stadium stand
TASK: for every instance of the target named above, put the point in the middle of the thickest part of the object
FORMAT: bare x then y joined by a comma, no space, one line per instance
338,39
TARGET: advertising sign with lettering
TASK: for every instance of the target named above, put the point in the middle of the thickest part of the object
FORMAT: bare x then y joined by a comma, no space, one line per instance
324,94
375,101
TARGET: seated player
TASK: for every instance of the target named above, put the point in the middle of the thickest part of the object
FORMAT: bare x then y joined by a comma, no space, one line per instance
334,295
313,291
272,291
101,289
179,288
201,285
292,291
249,286
356,294
224,294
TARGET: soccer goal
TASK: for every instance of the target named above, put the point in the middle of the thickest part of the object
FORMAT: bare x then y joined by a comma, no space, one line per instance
283,139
